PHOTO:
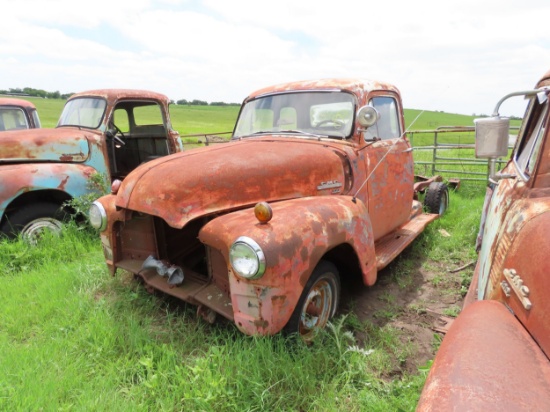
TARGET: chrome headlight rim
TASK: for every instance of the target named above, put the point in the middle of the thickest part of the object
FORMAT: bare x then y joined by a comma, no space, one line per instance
97,210
256,250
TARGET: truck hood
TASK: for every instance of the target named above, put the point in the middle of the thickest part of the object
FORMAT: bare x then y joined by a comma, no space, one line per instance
44,145
183,186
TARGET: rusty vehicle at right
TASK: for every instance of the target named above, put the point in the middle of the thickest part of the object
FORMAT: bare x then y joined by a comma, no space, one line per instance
495,355
17,114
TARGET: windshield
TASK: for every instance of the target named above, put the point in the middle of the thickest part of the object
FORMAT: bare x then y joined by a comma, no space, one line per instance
83,112
308,113
12,119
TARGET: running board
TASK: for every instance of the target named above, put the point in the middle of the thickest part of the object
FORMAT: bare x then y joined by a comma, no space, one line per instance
388,247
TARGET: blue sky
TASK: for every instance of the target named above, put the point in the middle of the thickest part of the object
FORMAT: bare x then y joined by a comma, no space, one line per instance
454,56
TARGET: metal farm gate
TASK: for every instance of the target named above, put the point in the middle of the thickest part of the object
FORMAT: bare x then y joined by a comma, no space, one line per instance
449,151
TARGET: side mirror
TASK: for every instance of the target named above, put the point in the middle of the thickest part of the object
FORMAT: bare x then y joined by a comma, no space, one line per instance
492,136
367,116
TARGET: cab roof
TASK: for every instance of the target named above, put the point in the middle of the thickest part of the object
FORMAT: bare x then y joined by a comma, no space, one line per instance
10,101
354,85
118,94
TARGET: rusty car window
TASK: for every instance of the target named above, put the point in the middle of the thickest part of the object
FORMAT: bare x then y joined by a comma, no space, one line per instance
12,119
83,112
530,143
120,119
36,119
148,115
387,126
326,113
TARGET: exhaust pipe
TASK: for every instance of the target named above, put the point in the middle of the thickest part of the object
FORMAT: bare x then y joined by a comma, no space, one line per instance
173,272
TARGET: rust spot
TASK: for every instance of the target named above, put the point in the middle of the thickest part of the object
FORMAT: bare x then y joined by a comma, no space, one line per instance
63,183
261,323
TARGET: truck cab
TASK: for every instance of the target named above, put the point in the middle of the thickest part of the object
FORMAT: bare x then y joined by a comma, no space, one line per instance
100,132
315,184
17,114
496,353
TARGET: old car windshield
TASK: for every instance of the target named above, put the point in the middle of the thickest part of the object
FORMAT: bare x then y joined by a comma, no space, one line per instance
83,112
318,113
12,119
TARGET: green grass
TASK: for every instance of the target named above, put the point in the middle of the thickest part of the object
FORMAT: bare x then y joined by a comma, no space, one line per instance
74,338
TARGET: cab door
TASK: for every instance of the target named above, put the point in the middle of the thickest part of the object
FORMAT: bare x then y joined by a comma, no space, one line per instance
390,174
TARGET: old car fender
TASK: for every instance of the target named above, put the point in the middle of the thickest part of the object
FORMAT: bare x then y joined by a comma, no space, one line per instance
300,233
487,361
16,180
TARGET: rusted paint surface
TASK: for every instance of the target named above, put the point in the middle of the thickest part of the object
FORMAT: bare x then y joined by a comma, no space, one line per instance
329,196
391,182
236,174
294,241
48,145
18,179
487,361
359,87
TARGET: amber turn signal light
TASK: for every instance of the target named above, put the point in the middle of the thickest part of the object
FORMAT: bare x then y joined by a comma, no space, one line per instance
263,212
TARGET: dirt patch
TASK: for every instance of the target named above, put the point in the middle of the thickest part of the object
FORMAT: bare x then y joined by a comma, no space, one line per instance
420,303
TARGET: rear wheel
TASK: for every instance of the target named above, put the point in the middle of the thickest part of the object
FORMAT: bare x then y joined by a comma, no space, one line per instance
32,221
437,198
318,302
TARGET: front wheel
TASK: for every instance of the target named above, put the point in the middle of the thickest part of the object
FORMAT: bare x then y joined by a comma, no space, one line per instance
437,198
32,221
318,302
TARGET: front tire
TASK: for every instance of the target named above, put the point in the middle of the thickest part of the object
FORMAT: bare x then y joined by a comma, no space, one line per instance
32,221
318,302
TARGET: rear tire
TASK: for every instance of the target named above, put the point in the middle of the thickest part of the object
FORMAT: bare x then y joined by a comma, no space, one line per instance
318,302
32,221
437,198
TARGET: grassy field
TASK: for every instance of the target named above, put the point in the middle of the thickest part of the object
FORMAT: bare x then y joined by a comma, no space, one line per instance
74,338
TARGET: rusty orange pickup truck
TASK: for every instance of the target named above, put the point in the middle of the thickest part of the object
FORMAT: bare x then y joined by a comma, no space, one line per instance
316,184
496,353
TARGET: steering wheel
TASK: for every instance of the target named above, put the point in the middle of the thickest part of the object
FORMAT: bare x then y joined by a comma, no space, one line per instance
339,123
118,131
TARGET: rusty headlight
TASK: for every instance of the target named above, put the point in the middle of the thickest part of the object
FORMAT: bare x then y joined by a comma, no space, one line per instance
247,258
97,216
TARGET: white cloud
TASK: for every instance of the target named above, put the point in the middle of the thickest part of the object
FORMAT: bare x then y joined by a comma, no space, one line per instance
456,56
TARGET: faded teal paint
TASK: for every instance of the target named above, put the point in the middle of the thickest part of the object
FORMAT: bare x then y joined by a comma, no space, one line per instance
69,178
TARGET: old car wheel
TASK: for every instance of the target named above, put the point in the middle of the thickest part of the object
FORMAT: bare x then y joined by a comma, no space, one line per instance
32,221
437,198
318,302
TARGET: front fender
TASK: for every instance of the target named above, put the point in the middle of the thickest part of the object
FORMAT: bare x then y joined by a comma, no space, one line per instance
301,232
22,178
487,361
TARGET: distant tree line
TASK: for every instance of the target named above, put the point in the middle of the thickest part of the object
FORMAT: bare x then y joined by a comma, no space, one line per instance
29,91
511,117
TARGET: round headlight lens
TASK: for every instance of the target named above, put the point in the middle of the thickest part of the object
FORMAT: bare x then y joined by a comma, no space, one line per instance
97,216
247,258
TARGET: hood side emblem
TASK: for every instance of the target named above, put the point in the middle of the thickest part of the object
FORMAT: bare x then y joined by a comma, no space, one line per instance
330,184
